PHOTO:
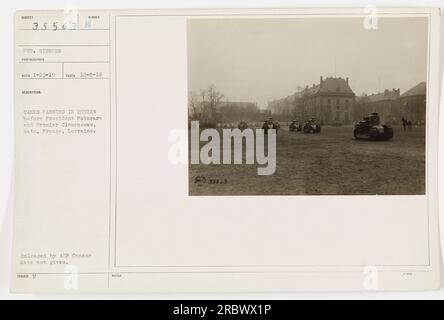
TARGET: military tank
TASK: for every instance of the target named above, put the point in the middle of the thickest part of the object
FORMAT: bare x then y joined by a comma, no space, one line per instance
370,128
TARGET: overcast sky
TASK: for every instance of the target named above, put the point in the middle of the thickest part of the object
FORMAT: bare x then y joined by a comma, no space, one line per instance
263,59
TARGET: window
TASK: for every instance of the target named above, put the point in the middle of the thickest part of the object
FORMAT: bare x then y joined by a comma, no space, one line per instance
337,101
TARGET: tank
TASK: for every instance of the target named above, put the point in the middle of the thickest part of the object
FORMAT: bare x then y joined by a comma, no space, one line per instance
242,125
371,129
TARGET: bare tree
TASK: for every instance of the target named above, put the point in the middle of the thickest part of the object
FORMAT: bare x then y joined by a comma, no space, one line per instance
194,107
209,108
214,96
210,100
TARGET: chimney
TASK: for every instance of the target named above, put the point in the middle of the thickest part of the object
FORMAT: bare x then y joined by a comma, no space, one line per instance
346,80
320,81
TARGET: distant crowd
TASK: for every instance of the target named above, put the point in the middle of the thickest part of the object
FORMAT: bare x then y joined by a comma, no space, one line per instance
407,124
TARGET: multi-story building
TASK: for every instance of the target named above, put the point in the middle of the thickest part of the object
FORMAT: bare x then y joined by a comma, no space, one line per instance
285,107
385,103
331,101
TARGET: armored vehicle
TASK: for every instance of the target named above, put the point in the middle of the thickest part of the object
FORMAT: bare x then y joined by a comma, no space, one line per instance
370,128
312,126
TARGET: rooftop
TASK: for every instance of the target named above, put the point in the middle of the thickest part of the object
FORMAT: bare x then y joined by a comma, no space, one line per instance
386,95
329,85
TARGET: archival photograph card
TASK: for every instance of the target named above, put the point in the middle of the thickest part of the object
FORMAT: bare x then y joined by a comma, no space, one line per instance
235,150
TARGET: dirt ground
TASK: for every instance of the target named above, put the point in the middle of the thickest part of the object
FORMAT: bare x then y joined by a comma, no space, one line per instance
329,163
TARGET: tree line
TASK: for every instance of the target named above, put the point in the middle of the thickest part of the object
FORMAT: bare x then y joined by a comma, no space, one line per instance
211,109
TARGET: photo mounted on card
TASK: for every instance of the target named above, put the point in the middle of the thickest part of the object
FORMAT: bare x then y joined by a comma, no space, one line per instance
234,150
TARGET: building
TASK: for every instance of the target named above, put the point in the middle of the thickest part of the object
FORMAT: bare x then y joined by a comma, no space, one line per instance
386,104
413,103
331,101
285,107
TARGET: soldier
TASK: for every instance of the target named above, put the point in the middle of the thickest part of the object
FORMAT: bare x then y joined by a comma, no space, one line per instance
276,126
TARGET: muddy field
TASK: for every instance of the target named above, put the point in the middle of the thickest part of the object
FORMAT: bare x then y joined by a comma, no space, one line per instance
329,163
